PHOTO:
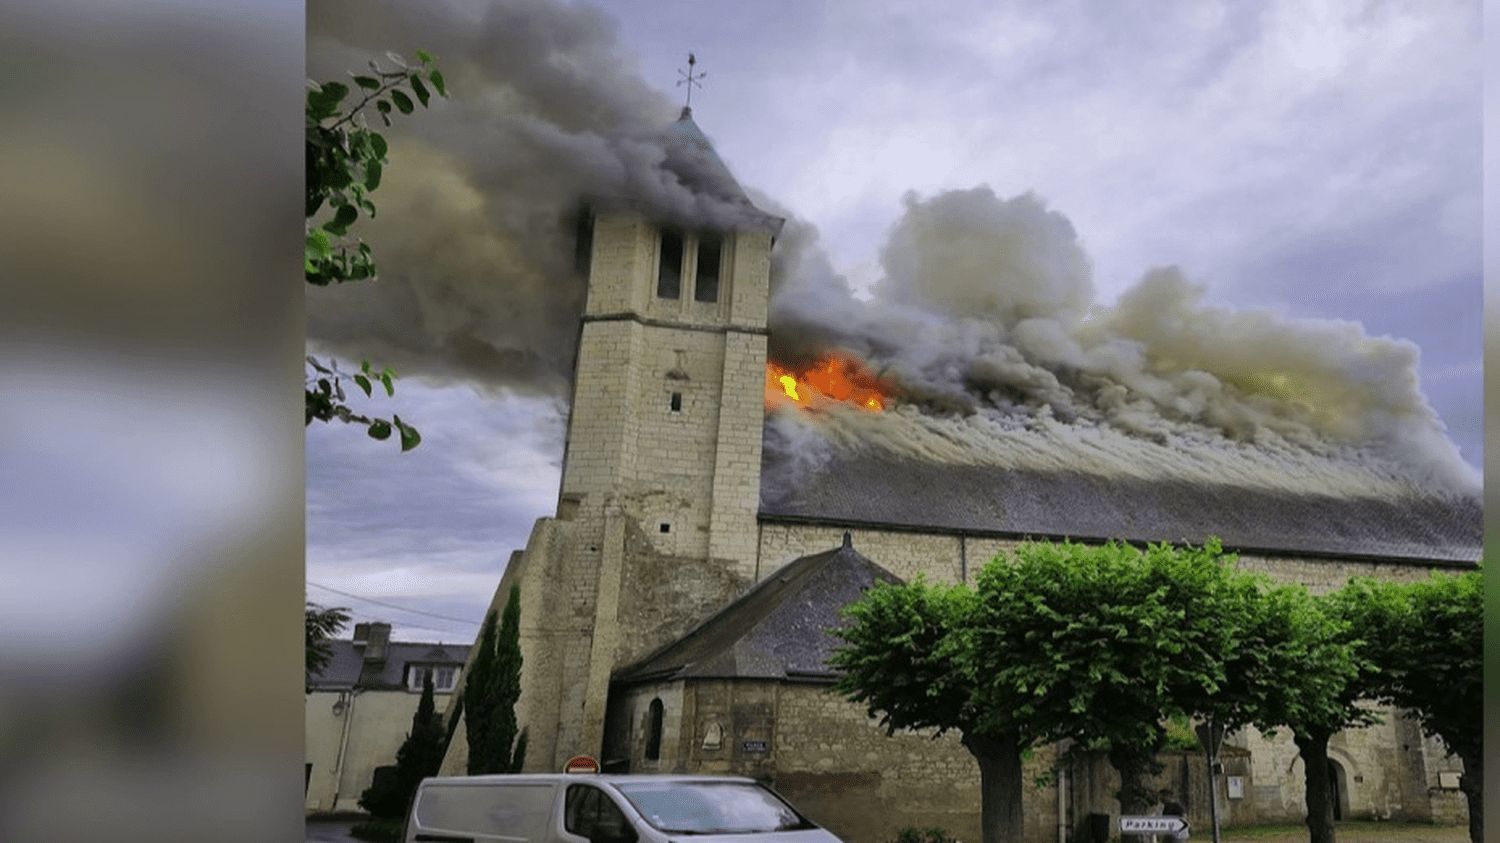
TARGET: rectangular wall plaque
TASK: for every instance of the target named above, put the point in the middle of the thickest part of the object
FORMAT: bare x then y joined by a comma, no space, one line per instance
754,746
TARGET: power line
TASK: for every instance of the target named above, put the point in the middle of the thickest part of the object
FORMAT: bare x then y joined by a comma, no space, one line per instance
392,605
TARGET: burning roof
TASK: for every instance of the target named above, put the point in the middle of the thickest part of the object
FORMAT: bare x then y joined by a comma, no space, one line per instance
880,490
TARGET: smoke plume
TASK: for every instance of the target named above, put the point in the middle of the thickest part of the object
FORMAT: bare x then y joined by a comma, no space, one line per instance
475,234
984,320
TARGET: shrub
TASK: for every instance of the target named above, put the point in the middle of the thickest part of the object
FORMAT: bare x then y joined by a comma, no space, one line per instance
934,834
377,831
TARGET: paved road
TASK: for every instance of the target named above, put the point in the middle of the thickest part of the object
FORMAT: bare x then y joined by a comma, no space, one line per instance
1350,832
334,831
337,831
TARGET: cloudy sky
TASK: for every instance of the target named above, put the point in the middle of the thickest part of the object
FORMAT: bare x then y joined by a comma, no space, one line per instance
1315,159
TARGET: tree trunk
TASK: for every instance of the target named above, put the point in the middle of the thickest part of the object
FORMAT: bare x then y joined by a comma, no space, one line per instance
1314,749
1135,766
1001,818
1472,785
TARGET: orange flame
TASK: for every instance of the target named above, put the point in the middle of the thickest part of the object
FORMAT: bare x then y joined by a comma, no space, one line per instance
834,377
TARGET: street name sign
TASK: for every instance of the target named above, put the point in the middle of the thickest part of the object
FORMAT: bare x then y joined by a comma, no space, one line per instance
1154,825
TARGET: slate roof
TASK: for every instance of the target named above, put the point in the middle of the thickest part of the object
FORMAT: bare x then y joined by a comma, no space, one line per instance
985,500
691,157
778,630
346,669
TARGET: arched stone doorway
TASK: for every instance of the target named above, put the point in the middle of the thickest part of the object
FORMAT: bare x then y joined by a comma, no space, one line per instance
1338,790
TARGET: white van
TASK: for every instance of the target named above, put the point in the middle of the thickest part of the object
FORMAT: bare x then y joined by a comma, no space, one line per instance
573,808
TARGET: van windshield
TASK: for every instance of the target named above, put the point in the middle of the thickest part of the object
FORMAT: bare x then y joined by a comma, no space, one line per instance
711,807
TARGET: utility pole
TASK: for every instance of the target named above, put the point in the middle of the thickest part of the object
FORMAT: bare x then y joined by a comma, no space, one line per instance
1211,735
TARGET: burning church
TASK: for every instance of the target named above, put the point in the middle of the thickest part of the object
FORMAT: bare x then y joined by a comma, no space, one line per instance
739,465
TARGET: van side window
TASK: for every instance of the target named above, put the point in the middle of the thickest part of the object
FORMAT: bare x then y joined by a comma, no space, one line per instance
587,812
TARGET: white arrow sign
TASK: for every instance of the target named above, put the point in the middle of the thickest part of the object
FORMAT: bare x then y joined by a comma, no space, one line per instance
1161,825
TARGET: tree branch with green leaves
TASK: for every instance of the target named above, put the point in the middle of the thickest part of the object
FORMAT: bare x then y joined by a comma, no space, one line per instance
345,160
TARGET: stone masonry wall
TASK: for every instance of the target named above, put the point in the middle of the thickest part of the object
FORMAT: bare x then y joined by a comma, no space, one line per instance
658,505
735,492
668,595
1391,771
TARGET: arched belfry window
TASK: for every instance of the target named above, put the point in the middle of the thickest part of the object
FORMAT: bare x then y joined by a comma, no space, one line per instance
653,731
669,269
706,283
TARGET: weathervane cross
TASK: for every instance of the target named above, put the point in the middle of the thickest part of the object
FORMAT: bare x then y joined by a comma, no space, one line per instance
689,78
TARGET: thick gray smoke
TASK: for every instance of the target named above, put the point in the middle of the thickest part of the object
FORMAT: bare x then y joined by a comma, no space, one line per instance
985,321
476,230
985,318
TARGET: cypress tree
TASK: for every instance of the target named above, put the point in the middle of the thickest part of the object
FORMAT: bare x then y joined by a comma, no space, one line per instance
505,688
420,755
478,713
490,693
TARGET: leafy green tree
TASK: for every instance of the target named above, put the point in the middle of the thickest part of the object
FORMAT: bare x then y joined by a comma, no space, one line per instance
1303,667
419,756
345,160
1098,644
908,657
491,689
1429,637
322,624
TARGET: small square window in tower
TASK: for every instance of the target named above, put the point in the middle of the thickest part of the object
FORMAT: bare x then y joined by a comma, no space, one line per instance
669,272
710,251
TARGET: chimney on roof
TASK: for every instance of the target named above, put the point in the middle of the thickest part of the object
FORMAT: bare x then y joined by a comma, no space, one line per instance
379,635
848,542
361,633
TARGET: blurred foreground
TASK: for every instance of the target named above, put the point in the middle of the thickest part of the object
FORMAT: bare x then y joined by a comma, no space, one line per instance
151,462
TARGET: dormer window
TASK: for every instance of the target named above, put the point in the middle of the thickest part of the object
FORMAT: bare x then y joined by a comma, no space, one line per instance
444,677
669,271
710,251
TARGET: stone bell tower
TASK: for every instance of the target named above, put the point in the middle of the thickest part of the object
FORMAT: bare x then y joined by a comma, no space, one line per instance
668,397
656,519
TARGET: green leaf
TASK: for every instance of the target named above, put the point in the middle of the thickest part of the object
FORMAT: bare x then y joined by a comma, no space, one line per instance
403,102
313,361
318,247
367,82
383,106
385,380
373,172
420,89
342,219
409,436
323,100
378,145
380,429
363,383
425,57
437,82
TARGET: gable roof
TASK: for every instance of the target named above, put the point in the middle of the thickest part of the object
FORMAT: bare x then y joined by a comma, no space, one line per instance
779,629
347,668
875,490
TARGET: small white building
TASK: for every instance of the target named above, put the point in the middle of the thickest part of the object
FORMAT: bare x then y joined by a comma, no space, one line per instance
359,709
